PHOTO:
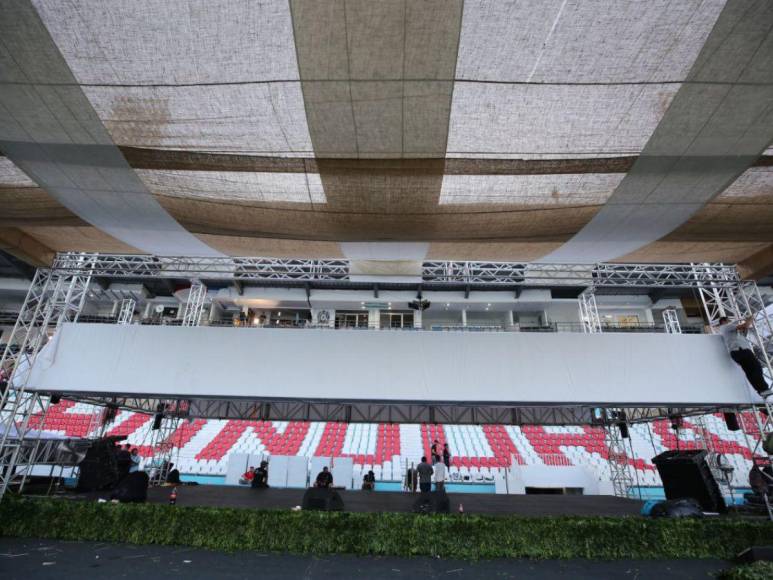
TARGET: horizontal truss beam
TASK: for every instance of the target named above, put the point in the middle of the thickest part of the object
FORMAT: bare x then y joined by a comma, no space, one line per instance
377,412
452,273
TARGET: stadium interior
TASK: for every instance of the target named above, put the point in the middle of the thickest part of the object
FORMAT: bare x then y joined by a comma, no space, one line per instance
256,238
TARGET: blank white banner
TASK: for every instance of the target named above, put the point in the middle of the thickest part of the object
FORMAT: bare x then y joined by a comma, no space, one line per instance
372,365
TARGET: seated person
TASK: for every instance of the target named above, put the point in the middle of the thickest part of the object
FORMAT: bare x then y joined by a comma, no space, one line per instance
135,459
261,475
248,476
173,477
369,481
324,478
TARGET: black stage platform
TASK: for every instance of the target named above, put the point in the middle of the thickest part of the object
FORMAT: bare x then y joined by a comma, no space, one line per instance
364,501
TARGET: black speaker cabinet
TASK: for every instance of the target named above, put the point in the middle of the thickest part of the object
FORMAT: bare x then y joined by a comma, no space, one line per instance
132,489
731,421
99,469
322,499
430,502
686,474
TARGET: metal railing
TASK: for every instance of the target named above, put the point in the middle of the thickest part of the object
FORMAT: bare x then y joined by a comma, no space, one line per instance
554,327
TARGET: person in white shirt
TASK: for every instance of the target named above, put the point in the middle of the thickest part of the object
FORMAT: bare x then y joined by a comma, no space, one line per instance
135,460
439,475
742,353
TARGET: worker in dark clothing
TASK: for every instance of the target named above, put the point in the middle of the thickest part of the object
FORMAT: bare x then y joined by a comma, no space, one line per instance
324,478
435,451
261,476
369,481
124,461
424,472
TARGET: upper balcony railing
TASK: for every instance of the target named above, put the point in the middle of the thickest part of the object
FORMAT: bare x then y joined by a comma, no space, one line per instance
431,327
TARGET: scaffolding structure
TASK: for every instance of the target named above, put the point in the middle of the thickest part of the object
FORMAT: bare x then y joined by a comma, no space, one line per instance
617,455
57,295
671,321
54,297
589,312
194,305
653,276
163,447
743,302
126,310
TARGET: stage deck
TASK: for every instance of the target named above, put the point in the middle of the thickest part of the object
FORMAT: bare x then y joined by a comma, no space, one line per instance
363,501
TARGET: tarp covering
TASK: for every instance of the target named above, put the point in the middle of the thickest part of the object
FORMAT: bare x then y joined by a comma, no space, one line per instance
450,367
333,121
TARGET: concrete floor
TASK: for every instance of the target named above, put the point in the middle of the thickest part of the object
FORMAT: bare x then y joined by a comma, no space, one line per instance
25,559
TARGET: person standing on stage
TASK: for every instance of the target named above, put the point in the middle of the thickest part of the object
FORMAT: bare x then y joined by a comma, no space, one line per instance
742,353
261,476
124,461
446,456
424,473
435,452
440,476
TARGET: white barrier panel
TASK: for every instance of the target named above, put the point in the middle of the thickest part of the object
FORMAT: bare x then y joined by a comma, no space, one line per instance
343,471
514,481
237,465
500,484
297,471
277,471
505,367
564,476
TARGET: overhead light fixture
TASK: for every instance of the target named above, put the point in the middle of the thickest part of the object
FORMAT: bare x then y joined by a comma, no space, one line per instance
279,313
448,304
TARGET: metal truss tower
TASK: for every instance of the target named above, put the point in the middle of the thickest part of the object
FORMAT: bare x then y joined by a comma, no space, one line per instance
589,312
126,310
671,321
617,457
54,297
194,306
738,302
164,449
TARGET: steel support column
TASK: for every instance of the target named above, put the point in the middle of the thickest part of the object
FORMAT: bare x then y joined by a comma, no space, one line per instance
589,312
617,458
54,297
194,306
671,321
163,445
739,302
126,310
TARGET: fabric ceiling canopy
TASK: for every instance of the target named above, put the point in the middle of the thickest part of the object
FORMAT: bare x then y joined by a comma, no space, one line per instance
510,130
